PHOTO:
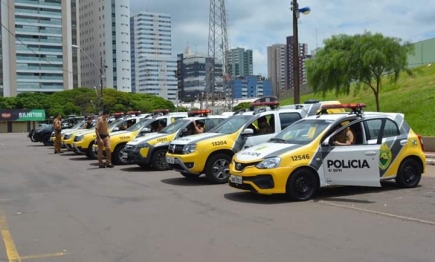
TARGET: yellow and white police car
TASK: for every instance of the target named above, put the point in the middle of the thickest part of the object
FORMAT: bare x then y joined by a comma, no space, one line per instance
306,155
211,152
83,142
150,150
161,117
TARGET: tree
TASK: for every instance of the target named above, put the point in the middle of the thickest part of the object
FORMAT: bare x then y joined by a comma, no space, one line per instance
359,59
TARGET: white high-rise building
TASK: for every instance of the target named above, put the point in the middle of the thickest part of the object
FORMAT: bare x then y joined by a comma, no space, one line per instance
153,66
105,43
276,67
36,53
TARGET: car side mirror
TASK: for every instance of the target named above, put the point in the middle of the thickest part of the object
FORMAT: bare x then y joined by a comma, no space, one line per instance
325,142
248,131
115,129
183,132
145,130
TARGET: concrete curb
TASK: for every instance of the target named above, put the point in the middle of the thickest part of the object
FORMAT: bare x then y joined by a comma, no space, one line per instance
430,159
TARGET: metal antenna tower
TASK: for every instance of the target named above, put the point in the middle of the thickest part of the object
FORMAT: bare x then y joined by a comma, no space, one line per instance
217,82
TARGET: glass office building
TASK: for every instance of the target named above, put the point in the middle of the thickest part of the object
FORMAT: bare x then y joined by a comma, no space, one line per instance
36,46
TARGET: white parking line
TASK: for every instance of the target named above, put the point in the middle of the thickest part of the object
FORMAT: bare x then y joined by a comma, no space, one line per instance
432,223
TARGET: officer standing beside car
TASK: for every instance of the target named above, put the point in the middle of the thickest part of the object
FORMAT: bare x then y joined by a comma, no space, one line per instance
103,139
57,125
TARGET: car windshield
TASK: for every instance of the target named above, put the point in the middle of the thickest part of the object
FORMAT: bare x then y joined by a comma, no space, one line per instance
115,123
231,124
175,126
140,124
302,132
78,125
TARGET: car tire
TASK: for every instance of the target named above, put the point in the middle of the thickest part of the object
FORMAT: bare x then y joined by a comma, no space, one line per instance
158,160
217,168
91,154
116,155
46,141
189,175
409,174
302,185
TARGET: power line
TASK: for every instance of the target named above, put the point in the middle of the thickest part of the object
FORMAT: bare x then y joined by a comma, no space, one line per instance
39,56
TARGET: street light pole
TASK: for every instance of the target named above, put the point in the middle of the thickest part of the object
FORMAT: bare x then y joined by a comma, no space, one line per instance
296,49
100,69
296,79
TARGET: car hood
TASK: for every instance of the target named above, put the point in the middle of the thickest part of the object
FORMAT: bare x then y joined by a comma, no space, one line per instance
265,150
148,137
195,138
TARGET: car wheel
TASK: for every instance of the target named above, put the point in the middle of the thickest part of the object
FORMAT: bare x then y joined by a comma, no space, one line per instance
118,156
91,153
217,168
302,185
409,174
46,141
158,160
189,175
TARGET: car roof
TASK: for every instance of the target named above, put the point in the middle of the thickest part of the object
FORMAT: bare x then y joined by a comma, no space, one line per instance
365,115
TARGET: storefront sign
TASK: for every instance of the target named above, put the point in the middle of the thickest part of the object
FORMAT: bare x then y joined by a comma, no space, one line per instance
22,115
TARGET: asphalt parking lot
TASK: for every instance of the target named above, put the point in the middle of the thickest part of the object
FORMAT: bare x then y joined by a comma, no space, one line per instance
64,208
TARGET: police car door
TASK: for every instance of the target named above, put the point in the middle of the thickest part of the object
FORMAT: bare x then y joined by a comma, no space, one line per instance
256,139
353,165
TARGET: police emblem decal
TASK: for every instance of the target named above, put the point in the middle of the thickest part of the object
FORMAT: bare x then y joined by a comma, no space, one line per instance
385,157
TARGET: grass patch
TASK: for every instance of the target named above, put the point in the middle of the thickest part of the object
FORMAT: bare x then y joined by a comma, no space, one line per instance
412,96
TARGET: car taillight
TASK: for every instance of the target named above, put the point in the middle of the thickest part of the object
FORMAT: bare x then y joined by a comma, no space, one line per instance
421,141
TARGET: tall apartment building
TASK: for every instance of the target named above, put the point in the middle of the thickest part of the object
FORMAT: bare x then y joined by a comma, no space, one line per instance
153,66
240,62
192,73
303,51
277,67
105,44
36,42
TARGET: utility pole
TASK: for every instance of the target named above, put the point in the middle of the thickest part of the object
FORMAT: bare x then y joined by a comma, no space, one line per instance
296,80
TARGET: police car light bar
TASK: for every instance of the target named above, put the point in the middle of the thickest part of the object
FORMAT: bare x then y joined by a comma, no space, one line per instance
348,106
163,111
271,104
199,112
136,112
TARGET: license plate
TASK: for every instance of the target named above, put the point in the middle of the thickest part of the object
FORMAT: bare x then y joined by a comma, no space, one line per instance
170,160
236,179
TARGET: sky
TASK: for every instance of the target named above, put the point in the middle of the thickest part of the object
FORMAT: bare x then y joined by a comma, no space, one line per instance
257,24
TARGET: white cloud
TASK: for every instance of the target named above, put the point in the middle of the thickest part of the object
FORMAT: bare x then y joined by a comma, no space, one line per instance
256,24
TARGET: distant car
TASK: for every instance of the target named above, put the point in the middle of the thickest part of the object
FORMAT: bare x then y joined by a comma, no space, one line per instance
305,155
42,134
39,127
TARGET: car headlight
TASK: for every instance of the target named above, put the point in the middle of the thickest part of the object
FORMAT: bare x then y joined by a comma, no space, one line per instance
189,148
269,163
141,145
78,138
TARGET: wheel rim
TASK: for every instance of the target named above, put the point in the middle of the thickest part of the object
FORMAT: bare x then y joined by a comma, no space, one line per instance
303,185
161,160
121,157
410,174
221,169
